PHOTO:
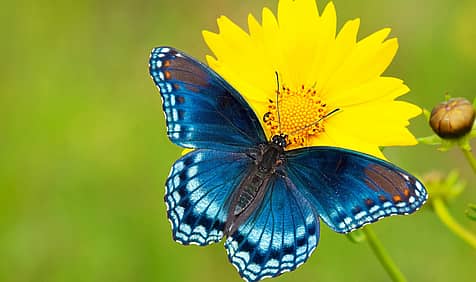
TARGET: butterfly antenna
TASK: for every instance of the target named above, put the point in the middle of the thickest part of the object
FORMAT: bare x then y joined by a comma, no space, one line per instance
316,122
277,101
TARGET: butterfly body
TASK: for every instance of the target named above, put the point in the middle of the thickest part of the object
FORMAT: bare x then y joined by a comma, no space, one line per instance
267,201
250,192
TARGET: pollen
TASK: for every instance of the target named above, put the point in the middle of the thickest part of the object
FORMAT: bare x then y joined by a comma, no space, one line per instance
297,113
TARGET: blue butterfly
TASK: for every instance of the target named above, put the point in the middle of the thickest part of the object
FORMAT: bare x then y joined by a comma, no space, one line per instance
264,199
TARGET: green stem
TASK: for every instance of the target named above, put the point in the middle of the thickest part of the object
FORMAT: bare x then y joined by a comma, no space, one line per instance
383,255
442,212
470,158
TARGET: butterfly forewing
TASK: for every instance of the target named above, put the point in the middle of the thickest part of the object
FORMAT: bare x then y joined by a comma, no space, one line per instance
201,109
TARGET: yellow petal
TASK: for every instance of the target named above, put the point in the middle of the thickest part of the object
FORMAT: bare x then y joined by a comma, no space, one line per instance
300,33
339,51
374,121
387,88
352,142
355,68
256,32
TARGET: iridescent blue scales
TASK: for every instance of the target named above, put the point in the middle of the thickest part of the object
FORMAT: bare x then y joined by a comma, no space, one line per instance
264,199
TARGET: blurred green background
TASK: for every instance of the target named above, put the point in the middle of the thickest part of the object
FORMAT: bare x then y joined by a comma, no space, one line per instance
84,154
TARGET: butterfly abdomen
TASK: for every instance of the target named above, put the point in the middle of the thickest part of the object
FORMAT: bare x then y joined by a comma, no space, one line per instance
249,192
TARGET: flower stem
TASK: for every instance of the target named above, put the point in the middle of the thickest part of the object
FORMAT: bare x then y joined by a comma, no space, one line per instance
383,256
469,156
442,212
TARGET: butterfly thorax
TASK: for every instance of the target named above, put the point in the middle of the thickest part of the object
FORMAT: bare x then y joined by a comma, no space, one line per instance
251,190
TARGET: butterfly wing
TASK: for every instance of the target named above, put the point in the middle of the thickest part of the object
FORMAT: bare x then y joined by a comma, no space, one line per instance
350,189
197,192
278,236
201,109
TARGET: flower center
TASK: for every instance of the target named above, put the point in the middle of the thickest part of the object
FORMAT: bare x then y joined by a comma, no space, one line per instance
300,114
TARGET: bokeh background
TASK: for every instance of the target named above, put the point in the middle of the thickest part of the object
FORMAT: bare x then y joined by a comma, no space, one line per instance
84,154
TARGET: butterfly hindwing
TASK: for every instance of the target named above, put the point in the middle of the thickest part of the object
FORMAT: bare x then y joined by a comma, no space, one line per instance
279,236
197,191
202,110
350,189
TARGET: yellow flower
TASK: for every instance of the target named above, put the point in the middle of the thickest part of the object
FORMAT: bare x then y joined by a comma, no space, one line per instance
318,72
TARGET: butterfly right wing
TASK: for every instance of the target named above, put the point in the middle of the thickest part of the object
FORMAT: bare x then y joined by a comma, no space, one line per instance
202,110
350,189
197,193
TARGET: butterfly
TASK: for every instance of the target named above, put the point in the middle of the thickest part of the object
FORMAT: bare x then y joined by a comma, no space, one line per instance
266,201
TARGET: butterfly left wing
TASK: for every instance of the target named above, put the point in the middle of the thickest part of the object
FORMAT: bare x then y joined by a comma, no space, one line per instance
350,189
278,236
202,110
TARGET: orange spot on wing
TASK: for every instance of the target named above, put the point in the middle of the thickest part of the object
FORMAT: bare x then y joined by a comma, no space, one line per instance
180,99
369,202
397,198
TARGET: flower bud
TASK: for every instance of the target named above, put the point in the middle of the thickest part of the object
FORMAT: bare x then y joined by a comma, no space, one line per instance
453,118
